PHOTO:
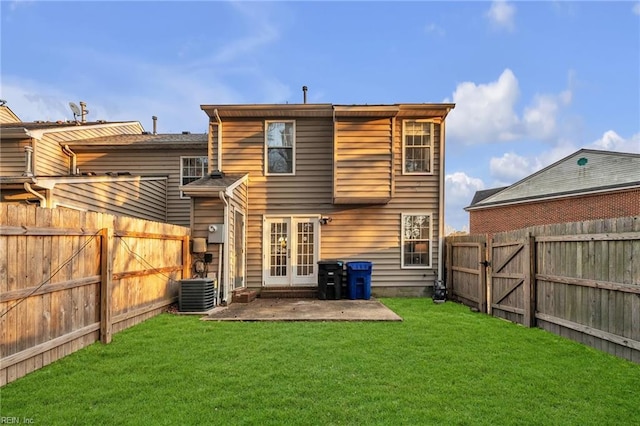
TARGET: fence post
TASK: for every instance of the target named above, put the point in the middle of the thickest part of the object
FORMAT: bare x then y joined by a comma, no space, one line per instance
448,273
488,271
186,258
530,282
106,272
482,263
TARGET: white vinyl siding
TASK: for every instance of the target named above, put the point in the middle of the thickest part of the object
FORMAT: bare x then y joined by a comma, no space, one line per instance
416,240
417,143
280,147
191,169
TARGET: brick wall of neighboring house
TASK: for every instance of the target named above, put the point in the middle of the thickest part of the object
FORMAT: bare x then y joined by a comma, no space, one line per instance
573,209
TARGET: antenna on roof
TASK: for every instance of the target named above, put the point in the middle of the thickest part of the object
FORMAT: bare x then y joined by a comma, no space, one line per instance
76,111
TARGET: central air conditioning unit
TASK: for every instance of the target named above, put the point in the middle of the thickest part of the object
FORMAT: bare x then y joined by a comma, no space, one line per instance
196,295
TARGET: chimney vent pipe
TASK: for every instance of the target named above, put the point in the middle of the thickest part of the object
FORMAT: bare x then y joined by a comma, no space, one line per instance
155,124
83,108
304,94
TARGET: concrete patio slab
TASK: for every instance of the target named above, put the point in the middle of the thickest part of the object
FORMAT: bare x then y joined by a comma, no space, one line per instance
286,309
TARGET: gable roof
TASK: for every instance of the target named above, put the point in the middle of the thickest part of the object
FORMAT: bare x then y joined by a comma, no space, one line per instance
585,171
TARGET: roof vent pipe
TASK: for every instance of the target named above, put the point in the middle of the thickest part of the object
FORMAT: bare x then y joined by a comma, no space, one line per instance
304,94
84,110
155,124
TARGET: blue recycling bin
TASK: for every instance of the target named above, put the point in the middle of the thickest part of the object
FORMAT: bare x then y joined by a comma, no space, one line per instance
359,280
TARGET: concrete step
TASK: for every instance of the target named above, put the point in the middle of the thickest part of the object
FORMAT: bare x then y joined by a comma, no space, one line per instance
289,293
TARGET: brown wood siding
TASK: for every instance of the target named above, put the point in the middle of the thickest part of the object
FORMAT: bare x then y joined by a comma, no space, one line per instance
369,233
363,157
142,199
12,156
51,161
147,162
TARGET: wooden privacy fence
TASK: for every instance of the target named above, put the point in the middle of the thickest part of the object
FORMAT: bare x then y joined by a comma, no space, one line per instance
579,280
70,278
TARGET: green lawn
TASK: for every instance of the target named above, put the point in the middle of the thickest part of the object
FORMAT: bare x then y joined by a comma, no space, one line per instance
443,365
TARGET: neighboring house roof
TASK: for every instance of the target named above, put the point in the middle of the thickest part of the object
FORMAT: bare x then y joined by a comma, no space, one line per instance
585,171
7,116
482,194
141,141
37,130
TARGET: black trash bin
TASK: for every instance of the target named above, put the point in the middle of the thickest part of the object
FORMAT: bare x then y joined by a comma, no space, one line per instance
330,273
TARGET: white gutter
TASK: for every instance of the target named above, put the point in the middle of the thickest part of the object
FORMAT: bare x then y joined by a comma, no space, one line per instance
73,168
43,199
219,164
225,248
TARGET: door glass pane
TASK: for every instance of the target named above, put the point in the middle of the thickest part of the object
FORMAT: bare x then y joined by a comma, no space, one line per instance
305,249
278,243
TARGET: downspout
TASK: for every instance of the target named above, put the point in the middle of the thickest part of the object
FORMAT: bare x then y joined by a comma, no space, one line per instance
219,164
73,168
441,207
224,251
43,199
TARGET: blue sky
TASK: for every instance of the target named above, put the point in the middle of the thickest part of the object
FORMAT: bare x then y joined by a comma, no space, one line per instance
532,81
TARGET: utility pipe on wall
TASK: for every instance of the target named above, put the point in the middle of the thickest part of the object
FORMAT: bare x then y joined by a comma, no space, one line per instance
73,168
441,206
42,198
222,285
28,161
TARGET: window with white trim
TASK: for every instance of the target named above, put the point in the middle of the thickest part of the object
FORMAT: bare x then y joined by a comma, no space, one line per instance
280,144
417,144
192,168
416,241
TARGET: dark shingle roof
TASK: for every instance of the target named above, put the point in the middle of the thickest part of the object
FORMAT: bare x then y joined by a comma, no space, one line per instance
485,193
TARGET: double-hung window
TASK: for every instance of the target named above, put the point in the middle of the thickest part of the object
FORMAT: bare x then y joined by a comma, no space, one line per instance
280,147
192,168
416,240
417,145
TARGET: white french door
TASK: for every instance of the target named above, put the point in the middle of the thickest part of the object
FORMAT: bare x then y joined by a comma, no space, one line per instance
291,246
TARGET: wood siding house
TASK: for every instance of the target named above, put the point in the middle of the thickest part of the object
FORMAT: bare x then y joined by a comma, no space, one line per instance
38,166
292,185
586,185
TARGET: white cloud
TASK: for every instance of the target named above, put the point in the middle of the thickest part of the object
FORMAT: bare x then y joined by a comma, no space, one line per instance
486,112
611,141
460,188
459,191
636,8
539,119
511,167
502,15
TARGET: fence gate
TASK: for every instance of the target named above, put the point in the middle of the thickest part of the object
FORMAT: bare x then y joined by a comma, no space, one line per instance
466,273
511,292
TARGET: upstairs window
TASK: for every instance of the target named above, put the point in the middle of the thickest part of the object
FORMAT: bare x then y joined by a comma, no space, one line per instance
417,144
416,241
280,147
192,168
